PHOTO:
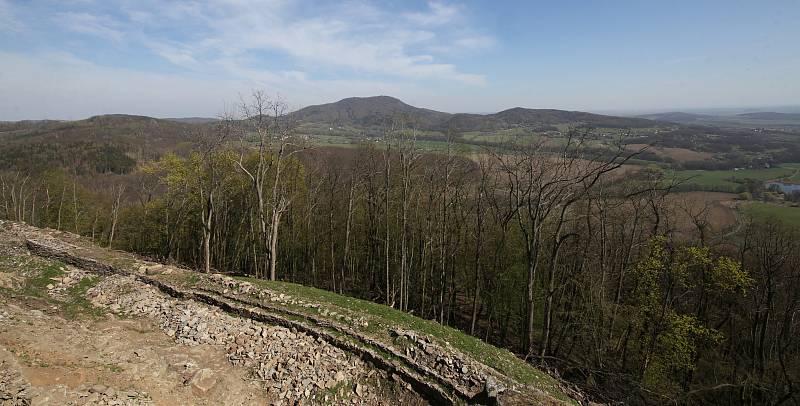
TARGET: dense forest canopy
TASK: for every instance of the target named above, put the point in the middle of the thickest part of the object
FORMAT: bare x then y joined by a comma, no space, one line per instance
562,254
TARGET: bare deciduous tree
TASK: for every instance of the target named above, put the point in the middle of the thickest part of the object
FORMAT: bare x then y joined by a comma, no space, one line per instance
115,207
270,122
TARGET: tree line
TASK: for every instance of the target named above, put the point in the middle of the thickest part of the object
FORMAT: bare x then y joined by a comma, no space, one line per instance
558,251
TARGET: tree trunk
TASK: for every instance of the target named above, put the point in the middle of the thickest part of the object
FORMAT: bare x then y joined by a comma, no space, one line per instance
273,244
75,204
115,214
61,205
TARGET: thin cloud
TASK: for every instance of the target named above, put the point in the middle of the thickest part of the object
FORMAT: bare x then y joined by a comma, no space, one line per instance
337,42
352,37
438,13
90,24
464,44
474,42
222,47
175,55
7,18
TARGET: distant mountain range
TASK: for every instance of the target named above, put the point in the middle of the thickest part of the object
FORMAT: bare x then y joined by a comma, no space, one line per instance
752,119
675,117
193,120
769,115
380,110
144,136
117,142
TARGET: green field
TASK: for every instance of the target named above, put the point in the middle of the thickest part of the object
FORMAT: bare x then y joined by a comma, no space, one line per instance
348,137
795,178
499,136
729,181
764,211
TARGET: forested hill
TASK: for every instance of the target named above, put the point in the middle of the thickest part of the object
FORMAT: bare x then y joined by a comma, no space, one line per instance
100,144
379,110
369,111
541,117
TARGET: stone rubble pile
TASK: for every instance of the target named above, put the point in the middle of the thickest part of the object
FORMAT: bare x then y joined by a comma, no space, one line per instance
291,365
15,257
13,248
55,243
231,285
448,362
14,390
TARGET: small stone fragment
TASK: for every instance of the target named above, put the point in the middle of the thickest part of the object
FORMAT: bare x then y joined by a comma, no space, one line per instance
203,380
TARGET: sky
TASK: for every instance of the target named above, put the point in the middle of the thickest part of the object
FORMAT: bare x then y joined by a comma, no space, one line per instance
71,59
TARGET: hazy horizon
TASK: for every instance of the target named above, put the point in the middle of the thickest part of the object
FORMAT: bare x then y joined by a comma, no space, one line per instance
711,111
71,60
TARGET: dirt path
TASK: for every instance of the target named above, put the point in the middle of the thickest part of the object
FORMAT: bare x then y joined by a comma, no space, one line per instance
113,362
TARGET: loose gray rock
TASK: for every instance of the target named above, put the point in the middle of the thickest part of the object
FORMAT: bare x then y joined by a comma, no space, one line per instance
203,380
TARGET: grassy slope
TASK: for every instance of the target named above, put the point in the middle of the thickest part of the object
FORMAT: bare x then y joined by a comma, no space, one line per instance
383,318
763,211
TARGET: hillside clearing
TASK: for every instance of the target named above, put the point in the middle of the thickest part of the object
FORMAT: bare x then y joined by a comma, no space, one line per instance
761,211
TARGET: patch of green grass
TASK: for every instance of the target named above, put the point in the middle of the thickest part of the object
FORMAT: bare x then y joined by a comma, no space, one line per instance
77,304
338,391
25,358
192,278
795,177
36,285
765,211
39,273
30,361
5,261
